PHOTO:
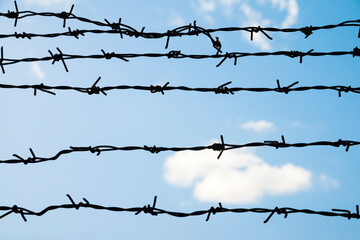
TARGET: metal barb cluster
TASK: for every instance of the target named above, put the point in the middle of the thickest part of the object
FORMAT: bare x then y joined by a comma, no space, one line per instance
155,211
221,147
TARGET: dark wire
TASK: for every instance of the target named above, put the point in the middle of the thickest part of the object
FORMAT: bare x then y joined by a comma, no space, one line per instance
222,89
154,211
61,57
221,147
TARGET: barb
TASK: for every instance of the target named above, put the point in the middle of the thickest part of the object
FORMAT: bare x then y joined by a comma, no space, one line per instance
189,30
154,211
222,89
222,146
174,54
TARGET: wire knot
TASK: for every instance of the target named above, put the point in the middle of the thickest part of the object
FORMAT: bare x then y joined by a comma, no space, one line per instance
41,88
65,15
356,52
196,32
15,209
284,89
228,55
153,149
1,60
277,144
348,214
213,211
223,89
80,204
173,54
114,25
308,30
75,33
217,45
22,35
169,33
108,55
95,150
343,143
344,89
293,54
278,211
219,147
149,209
58,57
29,159
158,88
95,89
12,14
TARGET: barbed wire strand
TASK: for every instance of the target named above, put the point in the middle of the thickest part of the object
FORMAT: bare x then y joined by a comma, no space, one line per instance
61,57
154,211
221,147
189,30
222,89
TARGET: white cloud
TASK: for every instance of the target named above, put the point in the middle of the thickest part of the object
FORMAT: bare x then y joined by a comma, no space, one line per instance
260,126
37,71
239,177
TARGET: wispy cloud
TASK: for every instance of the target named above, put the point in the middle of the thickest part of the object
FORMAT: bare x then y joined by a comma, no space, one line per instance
239,178
293,12
281,13
328,182
177,21
260,126
50,3
37,71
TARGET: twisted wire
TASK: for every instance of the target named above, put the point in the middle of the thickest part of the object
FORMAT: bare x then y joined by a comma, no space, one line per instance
61,57
154,211
221,147
189,30
222,89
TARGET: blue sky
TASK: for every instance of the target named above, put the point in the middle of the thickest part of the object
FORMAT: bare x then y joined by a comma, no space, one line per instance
319,178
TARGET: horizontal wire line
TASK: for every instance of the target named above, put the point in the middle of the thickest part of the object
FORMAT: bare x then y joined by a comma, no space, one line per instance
221,147
190,29
154,211
222,89
172,54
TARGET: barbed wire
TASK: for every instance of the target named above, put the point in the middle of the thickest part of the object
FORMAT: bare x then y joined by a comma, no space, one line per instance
188,30
154,211
221,147
61,57
222,89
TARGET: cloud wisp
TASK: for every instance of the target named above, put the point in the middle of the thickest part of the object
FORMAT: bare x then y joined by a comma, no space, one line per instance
260,126
37,71
251,13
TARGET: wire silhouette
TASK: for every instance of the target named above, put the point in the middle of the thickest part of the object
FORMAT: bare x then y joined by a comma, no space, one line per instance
189,30
221,147
154,211
61,57
222,89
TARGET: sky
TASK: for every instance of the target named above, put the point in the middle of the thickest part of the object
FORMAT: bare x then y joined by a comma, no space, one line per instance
318,178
